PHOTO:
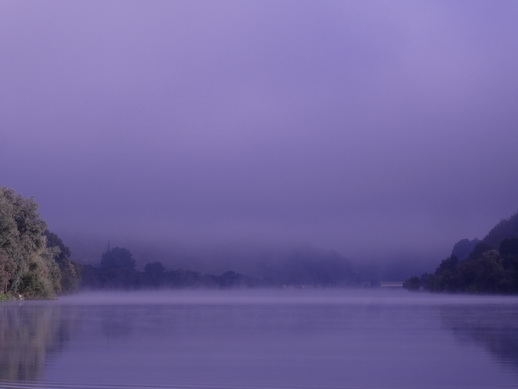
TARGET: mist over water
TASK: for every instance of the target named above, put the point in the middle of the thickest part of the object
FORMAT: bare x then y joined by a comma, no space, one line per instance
266,339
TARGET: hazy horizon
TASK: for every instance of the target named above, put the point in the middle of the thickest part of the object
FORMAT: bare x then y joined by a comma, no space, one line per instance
376,129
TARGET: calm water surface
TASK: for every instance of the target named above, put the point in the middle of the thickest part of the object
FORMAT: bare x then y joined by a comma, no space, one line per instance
260,339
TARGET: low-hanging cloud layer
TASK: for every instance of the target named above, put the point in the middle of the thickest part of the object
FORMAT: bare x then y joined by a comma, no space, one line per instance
374,128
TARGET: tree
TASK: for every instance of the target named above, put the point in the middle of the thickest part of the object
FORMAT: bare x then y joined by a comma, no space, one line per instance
154,273
21,233
509,247
118,269
28,264
118,258
70,271
154,269
7,268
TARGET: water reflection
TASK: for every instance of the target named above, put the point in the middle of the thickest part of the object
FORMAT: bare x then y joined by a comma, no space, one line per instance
493,327
29,336
302,340
116,323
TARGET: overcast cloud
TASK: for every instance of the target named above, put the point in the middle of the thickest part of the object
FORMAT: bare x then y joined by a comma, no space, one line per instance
370,127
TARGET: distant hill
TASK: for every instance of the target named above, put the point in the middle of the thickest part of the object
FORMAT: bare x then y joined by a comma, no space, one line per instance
463,248
489,266
505,229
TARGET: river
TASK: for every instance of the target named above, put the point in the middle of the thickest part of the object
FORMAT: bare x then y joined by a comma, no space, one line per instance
307,338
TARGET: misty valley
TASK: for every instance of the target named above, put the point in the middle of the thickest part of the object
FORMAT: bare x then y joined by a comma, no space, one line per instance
35,263
292,318
287,194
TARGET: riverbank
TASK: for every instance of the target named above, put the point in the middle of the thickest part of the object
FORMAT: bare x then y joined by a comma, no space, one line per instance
9,297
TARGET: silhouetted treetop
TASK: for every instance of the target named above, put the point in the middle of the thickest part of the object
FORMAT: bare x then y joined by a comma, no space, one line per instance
118,258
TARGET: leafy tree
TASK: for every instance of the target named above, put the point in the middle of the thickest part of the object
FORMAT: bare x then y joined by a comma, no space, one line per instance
70,271
480,249
28,260
21,233
118,258
154,273
7,268
118,269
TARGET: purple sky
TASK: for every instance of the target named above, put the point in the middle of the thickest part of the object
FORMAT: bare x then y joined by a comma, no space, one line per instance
369,127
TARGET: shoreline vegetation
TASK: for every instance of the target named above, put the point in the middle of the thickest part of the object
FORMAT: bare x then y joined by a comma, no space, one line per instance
8,297
489,266
36,264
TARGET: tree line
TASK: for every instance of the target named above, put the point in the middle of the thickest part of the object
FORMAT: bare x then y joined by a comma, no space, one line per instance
117,270
36,264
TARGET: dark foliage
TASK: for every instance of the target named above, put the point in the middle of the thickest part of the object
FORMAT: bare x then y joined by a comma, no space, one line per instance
117,271
118,259
413,283
70,271
463,248
302,268
490,271
491,267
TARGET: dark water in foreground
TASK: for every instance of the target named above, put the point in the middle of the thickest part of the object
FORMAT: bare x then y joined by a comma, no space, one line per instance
260,339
